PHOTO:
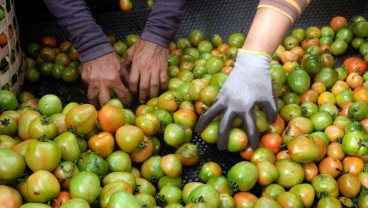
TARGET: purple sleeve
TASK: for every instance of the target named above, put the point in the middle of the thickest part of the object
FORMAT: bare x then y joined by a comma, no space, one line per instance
76,18
163,21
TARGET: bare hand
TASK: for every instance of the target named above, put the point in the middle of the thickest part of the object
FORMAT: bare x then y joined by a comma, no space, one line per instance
102,75
148,72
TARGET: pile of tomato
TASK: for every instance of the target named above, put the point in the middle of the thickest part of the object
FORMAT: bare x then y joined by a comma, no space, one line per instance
314,155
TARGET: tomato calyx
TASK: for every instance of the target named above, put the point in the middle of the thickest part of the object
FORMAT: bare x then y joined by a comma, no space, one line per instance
362,143
347,201
5,122
234,186
72,129
153,180
200,199
160,200
322,194
142,145
43,138
45,120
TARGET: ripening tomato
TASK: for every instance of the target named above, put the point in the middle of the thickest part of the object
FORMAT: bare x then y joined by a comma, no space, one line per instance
188,154
171,165
110,118
185,117
24,121
42,127
349,185
272,141
102,143
42,149
89,161
111,188
325,184
289,199
70,150
353,165
81,119
266,202
129,137
9,197
174,135
303,148
267,173
64,173
306,192
149,123
85,185
169,101
42,186
244,174
290,172
145,150
151,169
12,164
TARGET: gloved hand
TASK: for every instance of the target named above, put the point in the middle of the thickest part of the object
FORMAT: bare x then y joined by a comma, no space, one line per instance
148,73
248,85
102,75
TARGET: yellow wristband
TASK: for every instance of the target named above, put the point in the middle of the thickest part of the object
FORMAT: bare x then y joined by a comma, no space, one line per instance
254,52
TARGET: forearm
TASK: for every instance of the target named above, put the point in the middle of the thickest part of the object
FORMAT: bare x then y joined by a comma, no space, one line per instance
270,24
75,17
164,21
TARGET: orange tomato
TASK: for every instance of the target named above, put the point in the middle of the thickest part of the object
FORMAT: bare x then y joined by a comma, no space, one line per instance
48,41
271,141
361,94
145,150
247,153
102,143
354,80
335,150
222,48
298,51
126,5
331,166
310,170
326,97
110,118
338,22
353,165
339,86
319,87
244,199
309,96
63,197
309,41
334,133
283,154
355,64
287,56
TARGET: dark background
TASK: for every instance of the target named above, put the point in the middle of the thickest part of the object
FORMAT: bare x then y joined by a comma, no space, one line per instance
212,16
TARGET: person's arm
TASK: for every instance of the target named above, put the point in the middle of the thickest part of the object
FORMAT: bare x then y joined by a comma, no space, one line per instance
101,69
250,84
148,57
164,21
271,22
75,17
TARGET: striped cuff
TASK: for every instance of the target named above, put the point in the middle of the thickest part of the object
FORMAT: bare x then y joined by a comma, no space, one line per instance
290,8
245,51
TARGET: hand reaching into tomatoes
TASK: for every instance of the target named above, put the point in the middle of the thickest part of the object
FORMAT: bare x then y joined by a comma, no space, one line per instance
102,75
248,84
148,73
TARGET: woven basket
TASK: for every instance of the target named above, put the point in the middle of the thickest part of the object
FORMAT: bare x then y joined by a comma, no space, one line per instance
11,64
